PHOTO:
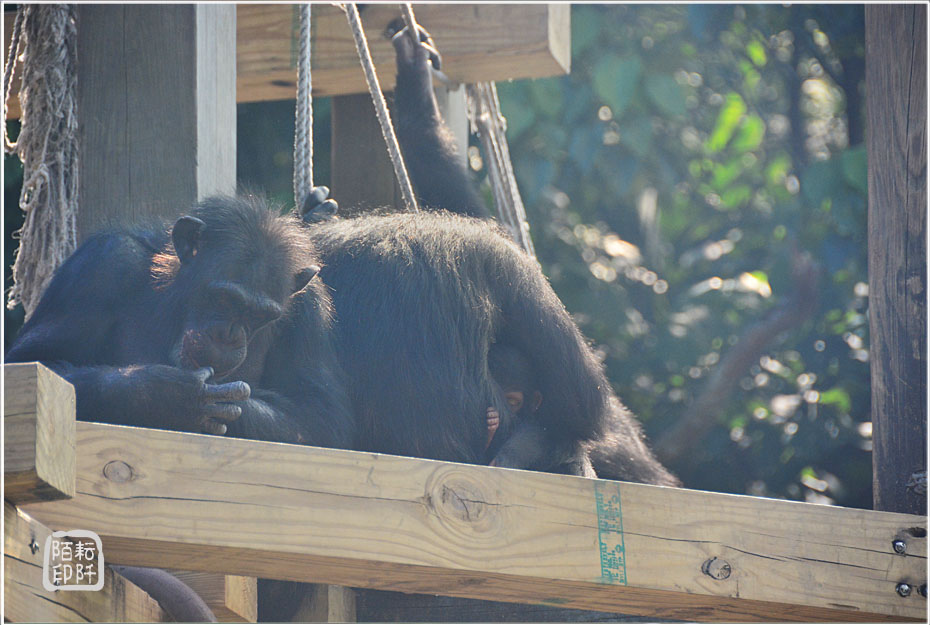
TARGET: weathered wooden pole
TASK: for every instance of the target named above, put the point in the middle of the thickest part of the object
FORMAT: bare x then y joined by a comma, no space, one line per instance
896,75
156,107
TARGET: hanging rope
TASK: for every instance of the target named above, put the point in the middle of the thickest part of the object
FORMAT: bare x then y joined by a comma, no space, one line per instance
486,119
47,145
397,159
303,117
15,39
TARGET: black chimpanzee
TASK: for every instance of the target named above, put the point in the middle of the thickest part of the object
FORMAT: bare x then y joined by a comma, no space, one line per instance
432,293
214,325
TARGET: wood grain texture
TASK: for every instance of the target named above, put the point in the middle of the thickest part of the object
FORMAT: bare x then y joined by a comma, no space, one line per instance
477,42
896,74
232,598
27,601
156,107
38,434
367,520
327,604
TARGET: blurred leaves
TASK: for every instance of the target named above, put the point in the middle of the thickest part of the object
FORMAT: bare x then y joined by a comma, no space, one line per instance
705,138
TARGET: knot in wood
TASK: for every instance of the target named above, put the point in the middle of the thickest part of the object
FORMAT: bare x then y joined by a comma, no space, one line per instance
716,568
117,471
460,504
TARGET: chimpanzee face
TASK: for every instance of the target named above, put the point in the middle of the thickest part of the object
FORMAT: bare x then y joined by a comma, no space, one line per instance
221,322
229,296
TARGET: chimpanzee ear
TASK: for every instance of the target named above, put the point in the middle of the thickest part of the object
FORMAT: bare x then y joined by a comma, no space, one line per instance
304,276
185,236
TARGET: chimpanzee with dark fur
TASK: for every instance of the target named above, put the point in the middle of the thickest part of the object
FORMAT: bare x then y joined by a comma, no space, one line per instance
435,292
214,325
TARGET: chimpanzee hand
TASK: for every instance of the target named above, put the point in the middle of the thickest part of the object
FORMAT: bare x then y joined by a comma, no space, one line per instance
318,206
181,400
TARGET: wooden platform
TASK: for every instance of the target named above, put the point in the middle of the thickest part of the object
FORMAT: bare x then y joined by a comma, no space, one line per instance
205,503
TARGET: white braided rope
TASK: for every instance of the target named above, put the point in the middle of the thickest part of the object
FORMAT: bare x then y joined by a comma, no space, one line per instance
486,119
48,147
387,130
303,116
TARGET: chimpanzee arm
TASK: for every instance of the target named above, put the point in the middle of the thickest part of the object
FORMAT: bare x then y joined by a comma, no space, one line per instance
437,171
75,331
301,396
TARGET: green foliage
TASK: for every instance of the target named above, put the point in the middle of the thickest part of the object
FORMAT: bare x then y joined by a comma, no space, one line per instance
670,180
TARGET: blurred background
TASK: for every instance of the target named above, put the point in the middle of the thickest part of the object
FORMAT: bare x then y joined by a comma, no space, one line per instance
696,192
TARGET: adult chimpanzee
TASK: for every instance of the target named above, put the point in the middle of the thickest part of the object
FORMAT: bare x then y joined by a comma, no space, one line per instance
420,300
214,325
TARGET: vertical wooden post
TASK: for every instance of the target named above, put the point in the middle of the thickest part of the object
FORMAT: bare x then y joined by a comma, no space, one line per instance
363,177
157,108
896,74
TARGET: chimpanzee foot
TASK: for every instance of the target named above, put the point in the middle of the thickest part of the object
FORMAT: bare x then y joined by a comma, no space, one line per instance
318,206
408,56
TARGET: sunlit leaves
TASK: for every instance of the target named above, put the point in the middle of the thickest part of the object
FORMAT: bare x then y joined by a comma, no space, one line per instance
756,53
750,135
727,122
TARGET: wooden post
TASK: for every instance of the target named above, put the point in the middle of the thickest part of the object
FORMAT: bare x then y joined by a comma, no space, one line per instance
38,434
157,109
896,74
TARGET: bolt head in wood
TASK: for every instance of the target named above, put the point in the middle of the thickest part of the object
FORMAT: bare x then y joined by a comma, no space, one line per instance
899,546
903,589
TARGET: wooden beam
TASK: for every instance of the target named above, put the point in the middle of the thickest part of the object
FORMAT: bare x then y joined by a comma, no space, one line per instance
896,72
477,41
27,601
360,519
38,434
156,107
232,598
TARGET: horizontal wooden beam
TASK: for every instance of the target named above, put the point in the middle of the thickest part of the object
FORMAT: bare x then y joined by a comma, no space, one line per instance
38,434
207,503
477,41
27,601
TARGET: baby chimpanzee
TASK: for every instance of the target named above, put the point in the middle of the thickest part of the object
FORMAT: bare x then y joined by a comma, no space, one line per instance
525,442
512,371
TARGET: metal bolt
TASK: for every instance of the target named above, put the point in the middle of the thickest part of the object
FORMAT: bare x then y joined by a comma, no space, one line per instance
899,546
904,589
33,546
922,590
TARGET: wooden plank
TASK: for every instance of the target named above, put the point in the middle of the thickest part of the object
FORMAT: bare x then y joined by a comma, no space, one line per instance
896,72
27,601
477,41
38,434
232,598
367,520
158,120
